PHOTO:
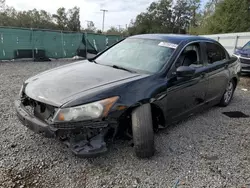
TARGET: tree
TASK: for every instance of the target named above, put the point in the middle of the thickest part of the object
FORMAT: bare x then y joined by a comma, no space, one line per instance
2,4
90,27
195,14
69,20
114,31
74,23
166,16
157,18
34,19
7,17
99,31
46,20
225,16
182,16
231,16
29,19
61,18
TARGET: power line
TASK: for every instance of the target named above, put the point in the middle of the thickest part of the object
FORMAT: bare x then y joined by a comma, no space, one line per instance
104,11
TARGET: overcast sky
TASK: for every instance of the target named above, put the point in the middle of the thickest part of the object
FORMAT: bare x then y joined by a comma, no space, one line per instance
120,11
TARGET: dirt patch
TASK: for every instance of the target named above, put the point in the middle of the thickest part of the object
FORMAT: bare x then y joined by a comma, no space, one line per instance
26,177
245,82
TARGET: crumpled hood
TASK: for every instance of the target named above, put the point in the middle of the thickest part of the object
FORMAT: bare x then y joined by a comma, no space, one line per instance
54,86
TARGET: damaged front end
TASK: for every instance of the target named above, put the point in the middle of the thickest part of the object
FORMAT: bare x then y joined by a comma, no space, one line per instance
86,138
85,142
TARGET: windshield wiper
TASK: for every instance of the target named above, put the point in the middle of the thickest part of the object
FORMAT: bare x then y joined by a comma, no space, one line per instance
122,68
94,61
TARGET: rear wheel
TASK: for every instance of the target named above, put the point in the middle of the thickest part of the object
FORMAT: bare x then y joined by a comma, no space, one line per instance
143,133
228,95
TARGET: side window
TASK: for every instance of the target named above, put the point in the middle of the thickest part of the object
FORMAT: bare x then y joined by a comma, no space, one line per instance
214,53
190,56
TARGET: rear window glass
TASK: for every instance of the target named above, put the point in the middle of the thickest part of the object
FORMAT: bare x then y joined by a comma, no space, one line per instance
215,53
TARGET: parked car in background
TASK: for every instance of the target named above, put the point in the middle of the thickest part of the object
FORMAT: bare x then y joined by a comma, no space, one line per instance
244,56
141,84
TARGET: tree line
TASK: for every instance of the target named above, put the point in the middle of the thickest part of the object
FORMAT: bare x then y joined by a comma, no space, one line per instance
162,16
187,16
68,20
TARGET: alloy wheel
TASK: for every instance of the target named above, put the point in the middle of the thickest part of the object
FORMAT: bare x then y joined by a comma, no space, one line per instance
229,92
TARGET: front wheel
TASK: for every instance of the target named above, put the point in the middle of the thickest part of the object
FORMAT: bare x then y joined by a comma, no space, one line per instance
228,95
143,133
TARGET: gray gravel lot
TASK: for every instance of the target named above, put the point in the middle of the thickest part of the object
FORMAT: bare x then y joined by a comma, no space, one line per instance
207,150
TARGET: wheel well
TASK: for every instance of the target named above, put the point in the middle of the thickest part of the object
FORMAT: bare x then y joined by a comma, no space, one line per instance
125,122
158,117
235,81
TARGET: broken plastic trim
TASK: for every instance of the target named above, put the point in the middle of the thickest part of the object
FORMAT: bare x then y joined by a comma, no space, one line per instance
89,148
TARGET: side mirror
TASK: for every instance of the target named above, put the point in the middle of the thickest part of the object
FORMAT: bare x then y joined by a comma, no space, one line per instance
185,71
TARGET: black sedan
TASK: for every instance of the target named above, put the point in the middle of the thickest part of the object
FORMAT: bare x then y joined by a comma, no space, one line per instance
139,85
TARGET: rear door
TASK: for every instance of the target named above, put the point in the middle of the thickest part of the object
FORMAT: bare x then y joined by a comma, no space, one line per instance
217,70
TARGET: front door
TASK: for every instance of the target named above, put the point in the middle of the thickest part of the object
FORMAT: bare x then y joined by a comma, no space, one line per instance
184,95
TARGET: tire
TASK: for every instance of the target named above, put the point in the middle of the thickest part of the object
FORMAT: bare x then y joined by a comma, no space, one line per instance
143,133
228,94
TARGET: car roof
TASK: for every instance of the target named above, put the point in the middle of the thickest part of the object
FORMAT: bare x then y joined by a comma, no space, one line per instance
173,38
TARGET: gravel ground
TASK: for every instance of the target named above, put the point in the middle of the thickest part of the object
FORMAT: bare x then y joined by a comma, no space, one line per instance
208,150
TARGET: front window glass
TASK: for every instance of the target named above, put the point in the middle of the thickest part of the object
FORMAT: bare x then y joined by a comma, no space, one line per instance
247,46
190,56
140,55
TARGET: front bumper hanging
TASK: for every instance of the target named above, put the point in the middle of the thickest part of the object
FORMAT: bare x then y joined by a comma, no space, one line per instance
76,139
92,147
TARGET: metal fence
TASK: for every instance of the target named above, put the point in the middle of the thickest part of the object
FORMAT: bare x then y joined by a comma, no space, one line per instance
231,41
41,44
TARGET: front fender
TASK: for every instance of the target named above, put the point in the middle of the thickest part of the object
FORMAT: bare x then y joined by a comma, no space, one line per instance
134,95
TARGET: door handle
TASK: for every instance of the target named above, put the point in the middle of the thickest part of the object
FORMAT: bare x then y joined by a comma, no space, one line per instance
226,66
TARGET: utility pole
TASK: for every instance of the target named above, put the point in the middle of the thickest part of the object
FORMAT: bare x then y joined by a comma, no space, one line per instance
104,11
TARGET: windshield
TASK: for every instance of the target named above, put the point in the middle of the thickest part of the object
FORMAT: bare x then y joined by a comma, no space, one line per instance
247,46
140,55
